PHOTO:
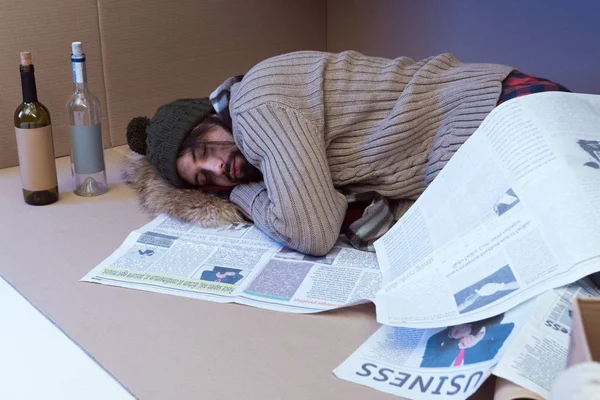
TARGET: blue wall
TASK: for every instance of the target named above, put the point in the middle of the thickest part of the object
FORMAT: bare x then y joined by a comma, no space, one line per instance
558,40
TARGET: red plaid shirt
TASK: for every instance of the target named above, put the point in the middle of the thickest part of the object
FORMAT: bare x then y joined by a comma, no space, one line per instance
518,84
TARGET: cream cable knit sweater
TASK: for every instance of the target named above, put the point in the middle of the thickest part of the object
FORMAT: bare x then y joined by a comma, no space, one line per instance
316,122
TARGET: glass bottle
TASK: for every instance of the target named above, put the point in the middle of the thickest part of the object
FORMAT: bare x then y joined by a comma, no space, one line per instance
87,151
35,146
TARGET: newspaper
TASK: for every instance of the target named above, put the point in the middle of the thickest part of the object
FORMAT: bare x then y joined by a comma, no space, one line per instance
539,352
238,263
527,346
514,213
442,363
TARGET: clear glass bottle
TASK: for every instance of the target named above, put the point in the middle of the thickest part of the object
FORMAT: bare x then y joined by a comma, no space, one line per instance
87,151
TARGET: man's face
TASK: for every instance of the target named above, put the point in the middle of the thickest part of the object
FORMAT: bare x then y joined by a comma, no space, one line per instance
218,164
460,331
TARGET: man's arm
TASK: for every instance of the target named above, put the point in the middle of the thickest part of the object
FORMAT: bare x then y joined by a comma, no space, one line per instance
296,204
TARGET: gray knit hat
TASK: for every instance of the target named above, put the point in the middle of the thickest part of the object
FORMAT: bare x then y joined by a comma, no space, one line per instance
160,138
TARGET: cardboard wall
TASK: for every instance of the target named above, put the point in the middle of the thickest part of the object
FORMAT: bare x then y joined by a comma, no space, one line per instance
552,39
142,53
46,28
156,51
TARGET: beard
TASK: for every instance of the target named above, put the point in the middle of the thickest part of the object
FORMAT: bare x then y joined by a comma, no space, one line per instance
247,172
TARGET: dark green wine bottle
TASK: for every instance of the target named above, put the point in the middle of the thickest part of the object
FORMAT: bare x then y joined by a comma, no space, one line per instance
34,142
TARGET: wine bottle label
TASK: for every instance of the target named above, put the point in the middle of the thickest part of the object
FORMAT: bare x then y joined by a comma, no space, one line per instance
87,153
36,158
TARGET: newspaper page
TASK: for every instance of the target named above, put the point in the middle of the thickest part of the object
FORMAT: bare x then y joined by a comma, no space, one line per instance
443,363
514,213
238,263
539,352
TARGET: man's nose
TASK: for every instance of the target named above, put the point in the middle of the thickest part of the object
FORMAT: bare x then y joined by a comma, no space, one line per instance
214,165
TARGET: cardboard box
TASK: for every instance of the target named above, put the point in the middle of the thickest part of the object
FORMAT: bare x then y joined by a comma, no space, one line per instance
585,331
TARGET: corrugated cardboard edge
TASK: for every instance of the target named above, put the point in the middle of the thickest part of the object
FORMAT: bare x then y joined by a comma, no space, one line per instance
584,314
506,390
107,110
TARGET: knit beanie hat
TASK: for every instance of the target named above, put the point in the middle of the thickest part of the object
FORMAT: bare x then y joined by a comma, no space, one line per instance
160,138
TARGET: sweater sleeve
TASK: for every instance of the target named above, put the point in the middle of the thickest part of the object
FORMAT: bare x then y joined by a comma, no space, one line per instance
296,204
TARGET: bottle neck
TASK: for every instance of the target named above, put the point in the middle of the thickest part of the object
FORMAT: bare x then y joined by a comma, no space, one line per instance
79,73
81,87
28,84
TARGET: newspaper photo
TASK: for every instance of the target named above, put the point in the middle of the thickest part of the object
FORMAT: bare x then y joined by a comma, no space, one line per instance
514,213
539,352
443,363
238,263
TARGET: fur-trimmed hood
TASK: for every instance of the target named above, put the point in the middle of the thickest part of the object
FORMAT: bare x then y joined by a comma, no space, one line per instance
189,205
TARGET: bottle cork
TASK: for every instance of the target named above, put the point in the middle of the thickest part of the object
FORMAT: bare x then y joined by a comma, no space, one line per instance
25,58
77,49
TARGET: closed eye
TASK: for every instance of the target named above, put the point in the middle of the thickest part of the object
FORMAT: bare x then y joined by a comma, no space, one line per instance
198,153
201,179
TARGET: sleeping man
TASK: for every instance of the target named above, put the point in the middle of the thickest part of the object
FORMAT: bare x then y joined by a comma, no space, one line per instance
301,135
